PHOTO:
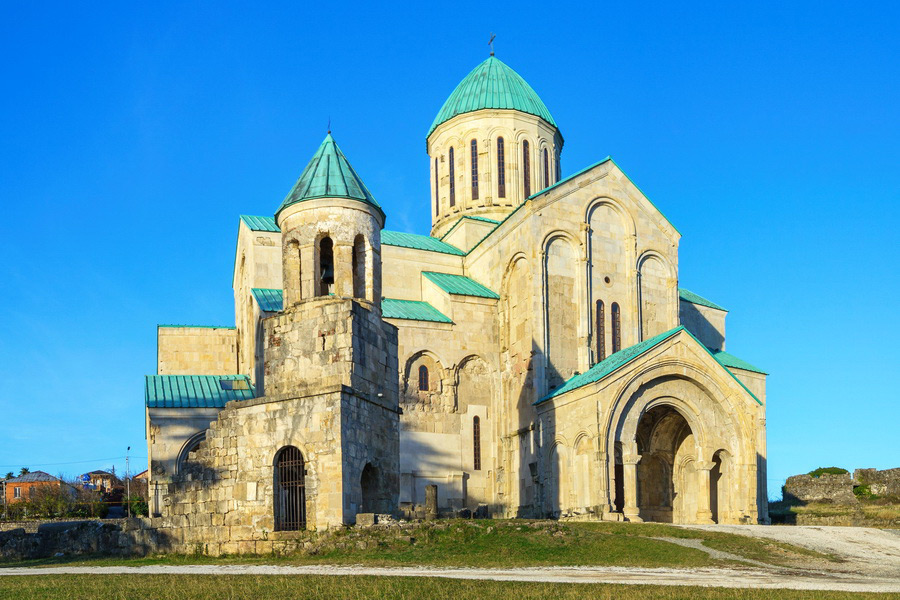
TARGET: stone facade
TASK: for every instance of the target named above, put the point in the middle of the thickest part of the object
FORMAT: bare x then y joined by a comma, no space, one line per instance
551,370
185,350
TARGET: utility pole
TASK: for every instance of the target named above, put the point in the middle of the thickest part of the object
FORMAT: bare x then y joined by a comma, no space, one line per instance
127,483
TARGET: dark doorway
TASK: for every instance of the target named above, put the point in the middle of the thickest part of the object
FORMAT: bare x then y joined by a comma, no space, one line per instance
290,490
369,484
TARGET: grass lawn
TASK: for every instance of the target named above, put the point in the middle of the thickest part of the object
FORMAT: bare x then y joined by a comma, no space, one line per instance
219,587
498,543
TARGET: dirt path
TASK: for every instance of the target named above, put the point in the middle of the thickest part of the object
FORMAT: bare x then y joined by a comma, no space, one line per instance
864,550
730,578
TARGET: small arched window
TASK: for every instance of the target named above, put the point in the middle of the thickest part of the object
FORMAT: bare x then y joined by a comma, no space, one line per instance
423,379
526,168
546,169
452,178
616,328
437,202
326,266
474,170
601,331
476,443
501,169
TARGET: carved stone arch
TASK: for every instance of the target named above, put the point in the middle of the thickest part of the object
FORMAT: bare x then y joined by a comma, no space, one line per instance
473,383
626,215
190,445
717,400
651,254
657,295
519,323
563,291
555,234
558,471
434,397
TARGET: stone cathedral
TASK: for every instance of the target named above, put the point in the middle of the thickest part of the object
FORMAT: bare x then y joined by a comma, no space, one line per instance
533,356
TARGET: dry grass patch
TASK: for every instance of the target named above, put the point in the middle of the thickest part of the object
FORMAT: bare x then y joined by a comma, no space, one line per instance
289,587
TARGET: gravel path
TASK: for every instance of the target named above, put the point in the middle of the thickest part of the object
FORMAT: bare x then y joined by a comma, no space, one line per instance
864,550
729,578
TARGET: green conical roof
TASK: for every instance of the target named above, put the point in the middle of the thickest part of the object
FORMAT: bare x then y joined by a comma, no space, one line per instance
329,175
492,84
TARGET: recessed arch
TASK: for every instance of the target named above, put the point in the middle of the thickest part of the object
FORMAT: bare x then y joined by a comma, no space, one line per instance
191,445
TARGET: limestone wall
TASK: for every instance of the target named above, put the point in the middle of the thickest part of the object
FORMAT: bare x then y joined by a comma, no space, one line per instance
327,342
186,350
707,324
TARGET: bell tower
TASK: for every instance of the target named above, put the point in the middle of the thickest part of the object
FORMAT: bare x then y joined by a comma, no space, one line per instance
328,353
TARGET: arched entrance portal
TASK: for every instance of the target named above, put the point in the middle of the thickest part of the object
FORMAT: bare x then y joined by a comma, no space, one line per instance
290,490
666,474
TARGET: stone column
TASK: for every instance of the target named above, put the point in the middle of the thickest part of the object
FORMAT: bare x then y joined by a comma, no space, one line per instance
309,270
431,502
291,274
704,514
343,270
629,468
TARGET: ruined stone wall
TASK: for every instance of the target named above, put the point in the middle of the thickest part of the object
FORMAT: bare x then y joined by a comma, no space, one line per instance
185,350
880,483
824,488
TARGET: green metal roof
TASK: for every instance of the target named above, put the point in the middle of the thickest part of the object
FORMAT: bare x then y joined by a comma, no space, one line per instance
260,223
611,363
411,309
269,300
418,242
195,391
329,175
463,218
459,285
732,361
689,296
492,84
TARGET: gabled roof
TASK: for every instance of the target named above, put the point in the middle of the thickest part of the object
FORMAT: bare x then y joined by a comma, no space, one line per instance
492,84
269,300
329,175
616,361
689,296
732,361
260,223
470,218
413,310
34,477
195,391
459,285
418,242
611,363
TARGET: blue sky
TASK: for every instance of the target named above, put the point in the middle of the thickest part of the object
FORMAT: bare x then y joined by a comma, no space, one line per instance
132,138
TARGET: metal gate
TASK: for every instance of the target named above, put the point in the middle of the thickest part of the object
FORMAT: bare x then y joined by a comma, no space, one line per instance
290,491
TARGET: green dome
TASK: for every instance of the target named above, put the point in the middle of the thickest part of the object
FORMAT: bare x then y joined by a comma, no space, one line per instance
329,175
492,84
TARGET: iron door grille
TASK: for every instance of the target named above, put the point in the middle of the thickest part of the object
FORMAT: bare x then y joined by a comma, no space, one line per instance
290,491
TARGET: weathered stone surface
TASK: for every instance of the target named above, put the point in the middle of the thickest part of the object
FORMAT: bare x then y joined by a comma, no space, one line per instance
825,488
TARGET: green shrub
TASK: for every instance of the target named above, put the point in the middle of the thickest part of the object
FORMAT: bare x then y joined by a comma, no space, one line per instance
828,471
864,492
